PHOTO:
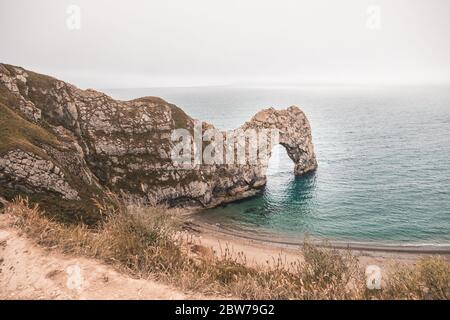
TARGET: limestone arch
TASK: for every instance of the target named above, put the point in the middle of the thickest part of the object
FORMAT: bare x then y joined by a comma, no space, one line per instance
294,135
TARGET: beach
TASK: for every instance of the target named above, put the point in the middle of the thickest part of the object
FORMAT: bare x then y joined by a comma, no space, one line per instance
262,250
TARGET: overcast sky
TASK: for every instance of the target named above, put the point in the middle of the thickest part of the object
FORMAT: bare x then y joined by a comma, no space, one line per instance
137,43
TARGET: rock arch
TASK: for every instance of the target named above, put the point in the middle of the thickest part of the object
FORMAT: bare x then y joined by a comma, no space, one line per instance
294,134
71,145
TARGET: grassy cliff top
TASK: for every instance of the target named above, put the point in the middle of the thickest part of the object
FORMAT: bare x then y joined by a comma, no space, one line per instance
18,133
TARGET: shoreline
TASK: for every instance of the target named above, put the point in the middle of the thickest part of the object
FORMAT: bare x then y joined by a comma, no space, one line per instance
203,228
263,252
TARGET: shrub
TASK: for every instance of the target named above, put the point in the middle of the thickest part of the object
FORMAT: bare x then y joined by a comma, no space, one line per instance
429,279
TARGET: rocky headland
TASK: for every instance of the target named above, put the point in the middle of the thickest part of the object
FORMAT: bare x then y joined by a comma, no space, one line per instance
66,148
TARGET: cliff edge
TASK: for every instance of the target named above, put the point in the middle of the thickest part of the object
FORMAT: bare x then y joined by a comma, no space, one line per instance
64,148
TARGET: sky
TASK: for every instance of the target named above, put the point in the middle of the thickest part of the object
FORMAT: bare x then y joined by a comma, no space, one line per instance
138,43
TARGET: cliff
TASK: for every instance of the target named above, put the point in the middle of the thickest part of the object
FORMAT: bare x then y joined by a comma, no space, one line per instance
64,148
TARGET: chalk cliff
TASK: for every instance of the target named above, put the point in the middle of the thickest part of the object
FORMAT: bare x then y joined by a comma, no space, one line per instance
64,147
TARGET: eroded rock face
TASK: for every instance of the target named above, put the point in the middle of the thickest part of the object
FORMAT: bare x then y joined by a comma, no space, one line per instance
294,134
82,142
28,172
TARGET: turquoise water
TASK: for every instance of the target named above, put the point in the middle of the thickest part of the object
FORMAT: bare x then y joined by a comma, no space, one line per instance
383,154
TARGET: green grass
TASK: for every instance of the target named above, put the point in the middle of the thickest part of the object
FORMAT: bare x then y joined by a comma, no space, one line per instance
18,133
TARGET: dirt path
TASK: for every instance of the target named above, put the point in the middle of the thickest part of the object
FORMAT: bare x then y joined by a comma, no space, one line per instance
30,272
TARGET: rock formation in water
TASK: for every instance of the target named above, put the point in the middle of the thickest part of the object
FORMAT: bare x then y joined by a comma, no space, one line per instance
63,148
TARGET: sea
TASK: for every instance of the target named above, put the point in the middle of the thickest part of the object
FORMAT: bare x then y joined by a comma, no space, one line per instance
383,162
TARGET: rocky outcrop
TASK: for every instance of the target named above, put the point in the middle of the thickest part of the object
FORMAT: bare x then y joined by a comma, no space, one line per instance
28,172
294,134
63,143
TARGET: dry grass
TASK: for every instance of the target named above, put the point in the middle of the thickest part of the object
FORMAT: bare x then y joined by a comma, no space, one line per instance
147,242
429,279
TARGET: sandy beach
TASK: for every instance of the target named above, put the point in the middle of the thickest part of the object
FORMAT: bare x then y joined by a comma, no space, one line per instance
260,250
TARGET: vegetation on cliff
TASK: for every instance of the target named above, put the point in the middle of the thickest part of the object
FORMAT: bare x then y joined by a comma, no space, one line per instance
16,132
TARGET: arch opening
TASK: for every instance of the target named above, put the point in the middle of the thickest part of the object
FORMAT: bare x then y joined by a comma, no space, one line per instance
279,162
